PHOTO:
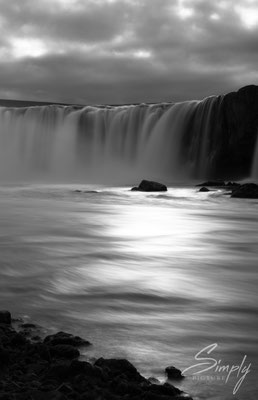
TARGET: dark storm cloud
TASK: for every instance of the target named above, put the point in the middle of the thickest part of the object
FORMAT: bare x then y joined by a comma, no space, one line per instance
106,51
88,21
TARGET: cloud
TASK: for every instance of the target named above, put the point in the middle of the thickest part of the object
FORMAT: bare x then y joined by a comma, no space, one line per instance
122,51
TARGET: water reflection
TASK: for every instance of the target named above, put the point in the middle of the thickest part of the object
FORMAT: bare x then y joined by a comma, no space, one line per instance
148,277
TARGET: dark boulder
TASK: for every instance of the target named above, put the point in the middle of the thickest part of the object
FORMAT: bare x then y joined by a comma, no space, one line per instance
173,373
65,338
5,317
164,390
58,370
204,189
18,339
46,395
64,351
4,356
41,350
150,186
78,367
246,191
116,367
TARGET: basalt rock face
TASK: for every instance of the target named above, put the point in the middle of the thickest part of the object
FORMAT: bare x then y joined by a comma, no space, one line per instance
214,138
238,136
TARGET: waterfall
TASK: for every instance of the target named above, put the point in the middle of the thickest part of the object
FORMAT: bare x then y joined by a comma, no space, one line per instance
166,140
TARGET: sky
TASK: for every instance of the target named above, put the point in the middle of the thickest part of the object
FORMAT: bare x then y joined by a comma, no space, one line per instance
126,51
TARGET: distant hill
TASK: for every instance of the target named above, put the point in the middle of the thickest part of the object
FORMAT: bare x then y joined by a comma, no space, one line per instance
24,103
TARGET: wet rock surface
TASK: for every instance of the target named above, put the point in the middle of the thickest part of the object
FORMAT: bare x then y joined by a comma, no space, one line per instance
174,373
246,191
64,338
5,317
51,370
150,186
232,189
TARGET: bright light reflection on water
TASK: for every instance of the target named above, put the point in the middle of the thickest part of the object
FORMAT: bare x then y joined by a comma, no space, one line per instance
154,278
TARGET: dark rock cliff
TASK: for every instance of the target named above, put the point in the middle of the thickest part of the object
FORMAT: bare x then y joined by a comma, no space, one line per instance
238,133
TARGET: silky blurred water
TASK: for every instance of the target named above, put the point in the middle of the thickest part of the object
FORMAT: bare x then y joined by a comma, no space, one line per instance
154,278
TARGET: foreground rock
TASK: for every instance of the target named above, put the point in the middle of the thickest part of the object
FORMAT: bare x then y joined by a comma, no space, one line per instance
174,373
246,191
50,369
5,317
150,186
63,338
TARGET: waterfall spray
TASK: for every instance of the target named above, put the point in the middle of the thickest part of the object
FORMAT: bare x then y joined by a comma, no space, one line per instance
169,140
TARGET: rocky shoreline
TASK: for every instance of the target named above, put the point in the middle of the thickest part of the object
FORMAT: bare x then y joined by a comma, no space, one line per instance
234,189
33,368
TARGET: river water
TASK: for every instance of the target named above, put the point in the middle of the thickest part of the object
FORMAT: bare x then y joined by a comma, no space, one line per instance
154,278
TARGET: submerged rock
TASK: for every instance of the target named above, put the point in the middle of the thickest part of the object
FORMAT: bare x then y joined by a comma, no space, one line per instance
204,189
85,191
246,191
115,367
150,186
173,373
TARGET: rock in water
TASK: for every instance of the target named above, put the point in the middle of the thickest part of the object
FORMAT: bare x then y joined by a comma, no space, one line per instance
150,186
5,317
173,373
115,367
246,191
204,189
